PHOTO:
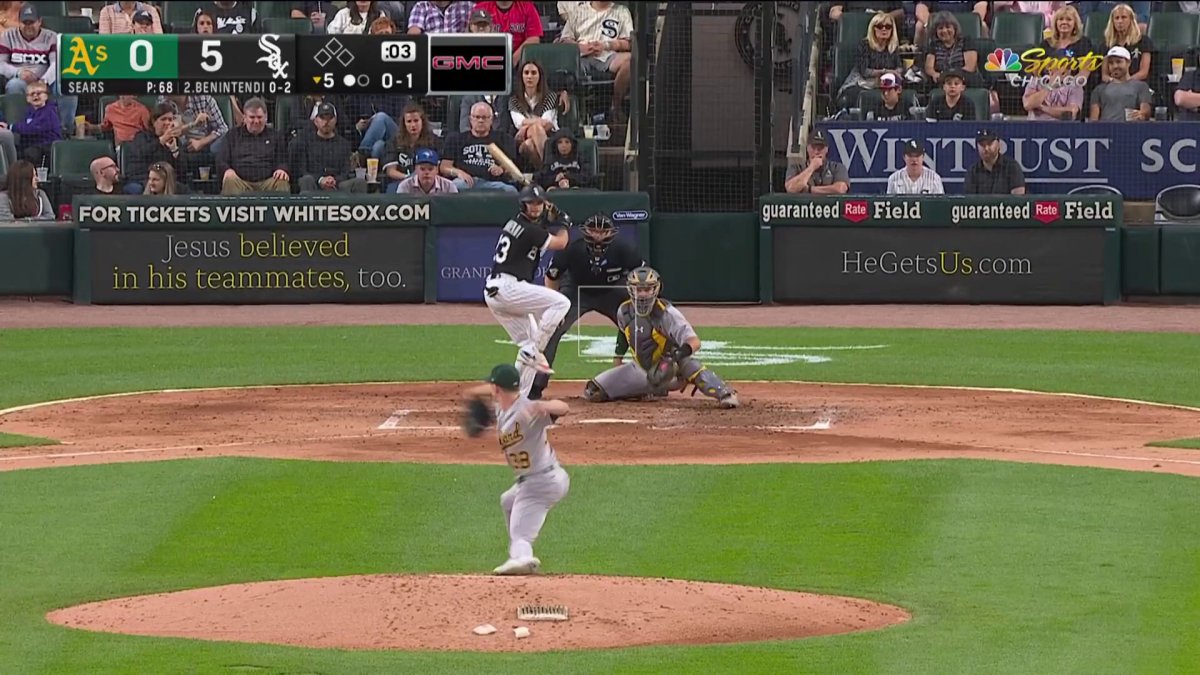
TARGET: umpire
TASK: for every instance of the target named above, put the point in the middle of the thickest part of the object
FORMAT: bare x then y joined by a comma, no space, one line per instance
591,272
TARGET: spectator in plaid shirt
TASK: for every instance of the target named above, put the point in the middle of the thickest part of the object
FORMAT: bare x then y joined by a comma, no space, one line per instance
321,157
204,133
439,16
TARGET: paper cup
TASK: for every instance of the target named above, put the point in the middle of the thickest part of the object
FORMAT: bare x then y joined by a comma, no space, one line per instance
589,131
360,172
372,169
1177,67
1130,114
204,172
908,64
43,174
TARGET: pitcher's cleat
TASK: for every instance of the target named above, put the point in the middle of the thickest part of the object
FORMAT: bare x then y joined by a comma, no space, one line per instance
518,567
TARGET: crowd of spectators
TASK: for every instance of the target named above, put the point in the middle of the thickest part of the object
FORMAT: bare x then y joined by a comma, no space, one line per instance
376,143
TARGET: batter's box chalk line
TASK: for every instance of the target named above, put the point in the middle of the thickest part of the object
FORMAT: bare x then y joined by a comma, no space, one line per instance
393,422
542,612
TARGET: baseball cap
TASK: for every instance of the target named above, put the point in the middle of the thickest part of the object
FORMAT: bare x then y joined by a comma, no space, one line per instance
1118,51
914,147
142,16
29,13
889,81
480,16
817,138
506,377
986,135
326,109
954,74
427,156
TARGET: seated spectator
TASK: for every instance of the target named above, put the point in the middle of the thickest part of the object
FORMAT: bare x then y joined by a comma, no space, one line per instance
603,30
204,23
949,50
817,174
876,54
382,26
415,135
30,54
23,198
890,107
438,16
425,180
125,118
1067,34
159,144
467,159
303,114
374,116
1123,31
106,176
321,157
118,17
519,19
995,173
203,130
924,10
319,13
1121,98
254,156
354,18
1187,95
1059,99
563,169
231,17
143,22
160,181
915,178
1046,9
8,142
1140,9
40,127
534,112
952,105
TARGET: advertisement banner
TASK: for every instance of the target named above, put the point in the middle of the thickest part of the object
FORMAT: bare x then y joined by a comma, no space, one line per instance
464,256
260,212
1138,159
281,265
939,265
940,211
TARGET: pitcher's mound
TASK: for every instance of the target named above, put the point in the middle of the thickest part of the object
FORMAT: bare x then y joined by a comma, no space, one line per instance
438,612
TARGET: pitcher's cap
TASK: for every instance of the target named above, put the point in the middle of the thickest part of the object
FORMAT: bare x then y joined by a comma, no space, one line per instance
506,377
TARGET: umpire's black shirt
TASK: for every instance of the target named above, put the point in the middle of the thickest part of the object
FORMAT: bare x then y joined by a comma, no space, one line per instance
583,270
1003,177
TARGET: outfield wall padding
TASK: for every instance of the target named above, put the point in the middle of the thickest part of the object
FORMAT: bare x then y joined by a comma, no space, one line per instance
1140,256
1180,272
36,259
706,257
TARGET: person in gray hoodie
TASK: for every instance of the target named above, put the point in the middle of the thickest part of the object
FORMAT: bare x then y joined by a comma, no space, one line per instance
563,168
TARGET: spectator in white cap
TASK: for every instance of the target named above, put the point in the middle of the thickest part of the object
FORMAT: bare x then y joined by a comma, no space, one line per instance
915,178
425,180
890,107
1121,98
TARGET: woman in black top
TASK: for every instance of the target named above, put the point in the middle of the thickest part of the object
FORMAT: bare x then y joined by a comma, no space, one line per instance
877,54
948,50
1068,34
1123,30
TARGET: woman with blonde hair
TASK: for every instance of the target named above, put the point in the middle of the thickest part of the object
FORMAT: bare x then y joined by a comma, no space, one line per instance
160,180
1067,33
1123,31
23,197
877,54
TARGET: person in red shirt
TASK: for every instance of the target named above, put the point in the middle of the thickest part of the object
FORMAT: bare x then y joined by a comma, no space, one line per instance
521,19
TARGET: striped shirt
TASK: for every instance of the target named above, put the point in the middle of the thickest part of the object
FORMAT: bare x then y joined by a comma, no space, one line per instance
928,183
39,55
113,19
441,186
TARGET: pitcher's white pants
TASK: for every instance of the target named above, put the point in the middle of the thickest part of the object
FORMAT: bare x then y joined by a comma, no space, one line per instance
512,302
525,506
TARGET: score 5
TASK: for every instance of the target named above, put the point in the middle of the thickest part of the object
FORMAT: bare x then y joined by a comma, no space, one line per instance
210,56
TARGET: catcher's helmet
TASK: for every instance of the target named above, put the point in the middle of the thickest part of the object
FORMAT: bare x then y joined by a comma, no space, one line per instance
599,231
643,284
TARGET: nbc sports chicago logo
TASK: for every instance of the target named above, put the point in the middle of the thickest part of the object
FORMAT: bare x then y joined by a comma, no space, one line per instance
1035,66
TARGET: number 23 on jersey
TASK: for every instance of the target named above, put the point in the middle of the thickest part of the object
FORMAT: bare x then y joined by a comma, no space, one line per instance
503,246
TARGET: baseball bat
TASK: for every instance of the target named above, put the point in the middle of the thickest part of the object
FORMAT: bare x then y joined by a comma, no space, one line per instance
507,164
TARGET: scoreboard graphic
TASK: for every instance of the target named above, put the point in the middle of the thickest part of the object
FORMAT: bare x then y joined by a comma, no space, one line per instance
272,64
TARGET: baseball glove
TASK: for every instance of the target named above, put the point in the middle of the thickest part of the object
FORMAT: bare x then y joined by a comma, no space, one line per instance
476,418
661,375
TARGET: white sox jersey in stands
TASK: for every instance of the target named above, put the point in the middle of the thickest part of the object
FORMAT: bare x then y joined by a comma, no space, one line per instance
928,183
39,55
522,433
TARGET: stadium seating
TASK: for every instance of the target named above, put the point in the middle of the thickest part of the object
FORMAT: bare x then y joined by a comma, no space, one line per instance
1174,32
275,10
51,9
1093,29
972,25
14,107
852,27
286,25
69,24
181,11
1018,31
70,163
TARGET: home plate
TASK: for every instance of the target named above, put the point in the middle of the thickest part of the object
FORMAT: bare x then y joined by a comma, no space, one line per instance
393,421
819,425
607,420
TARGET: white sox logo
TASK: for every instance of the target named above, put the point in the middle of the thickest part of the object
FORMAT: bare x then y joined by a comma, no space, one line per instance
609,27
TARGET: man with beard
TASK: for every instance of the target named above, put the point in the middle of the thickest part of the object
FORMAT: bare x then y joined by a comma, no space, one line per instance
994,173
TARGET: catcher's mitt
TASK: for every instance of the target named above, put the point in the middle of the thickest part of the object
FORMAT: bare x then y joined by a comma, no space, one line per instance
476,418
661,375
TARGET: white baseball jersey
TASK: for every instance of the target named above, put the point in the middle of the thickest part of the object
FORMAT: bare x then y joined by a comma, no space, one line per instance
522,433
928,183
584,23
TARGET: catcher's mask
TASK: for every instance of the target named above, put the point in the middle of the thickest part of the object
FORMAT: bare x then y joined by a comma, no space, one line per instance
598,231
644,285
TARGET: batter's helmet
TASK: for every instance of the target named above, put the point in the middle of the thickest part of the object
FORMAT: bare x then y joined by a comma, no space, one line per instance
532,193
599,231
644,284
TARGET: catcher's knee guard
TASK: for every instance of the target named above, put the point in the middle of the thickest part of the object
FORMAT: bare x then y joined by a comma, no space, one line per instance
594,393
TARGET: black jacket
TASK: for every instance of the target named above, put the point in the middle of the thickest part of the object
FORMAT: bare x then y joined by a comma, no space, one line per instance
253,156
144,150
311,155
569,164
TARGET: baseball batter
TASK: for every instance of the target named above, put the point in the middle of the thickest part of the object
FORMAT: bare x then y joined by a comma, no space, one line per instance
541,482
591,272
659,335
529,312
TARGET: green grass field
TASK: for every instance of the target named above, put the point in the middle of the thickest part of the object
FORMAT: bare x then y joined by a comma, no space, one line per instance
1008,568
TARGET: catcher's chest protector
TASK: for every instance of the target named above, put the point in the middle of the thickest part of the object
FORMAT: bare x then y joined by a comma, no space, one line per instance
649,336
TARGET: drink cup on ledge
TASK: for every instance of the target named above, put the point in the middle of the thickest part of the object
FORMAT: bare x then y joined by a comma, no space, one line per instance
372,170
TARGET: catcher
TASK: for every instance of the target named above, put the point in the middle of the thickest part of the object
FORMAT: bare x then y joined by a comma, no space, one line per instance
541,481
663,344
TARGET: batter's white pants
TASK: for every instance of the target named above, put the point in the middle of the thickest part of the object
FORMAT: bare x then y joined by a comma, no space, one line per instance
525,506
512,303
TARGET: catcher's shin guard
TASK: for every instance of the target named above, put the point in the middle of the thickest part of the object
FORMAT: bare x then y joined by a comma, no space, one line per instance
710,384
593,392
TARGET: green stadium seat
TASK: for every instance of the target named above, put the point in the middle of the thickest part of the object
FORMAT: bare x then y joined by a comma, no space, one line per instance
972,25
180,11
852,27
554,57
843,63
1093,29
1018,31
284,105
69,24
978,97
49,9
180,27
1174,32
14,106
453,110
70,160
277,10
284,26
